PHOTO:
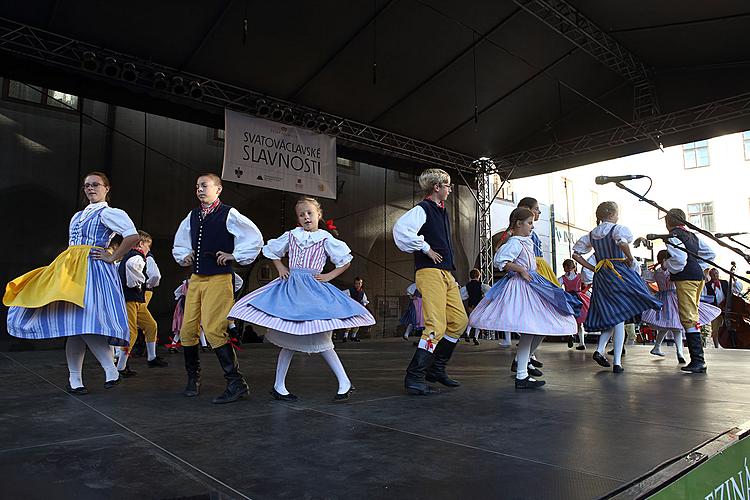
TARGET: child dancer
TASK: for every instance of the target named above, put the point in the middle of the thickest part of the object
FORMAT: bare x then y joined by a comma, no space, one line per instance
133,276
667,320
523,301
618,292
572,282
412,318
79,295
686,272
472,293
209,239
425,231
300,308
357,293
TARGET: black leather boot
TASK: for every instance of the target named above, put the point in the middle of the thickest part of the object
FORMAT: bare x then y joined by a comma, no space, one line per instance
695,348
441,355
236,385
414,382
193,369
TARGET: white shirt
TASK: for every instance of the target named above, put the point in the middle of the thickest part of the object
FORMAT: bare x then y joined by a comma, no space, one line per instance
587,276
511,249
571,276
134,271
406,228
247,239
736,289
411,289
337,250
152,270
621,234
678,258
465,294
364,296
113,219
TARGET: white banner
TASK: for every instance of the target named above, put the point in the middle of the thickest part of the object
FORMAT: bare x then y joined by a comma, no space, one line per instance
277,156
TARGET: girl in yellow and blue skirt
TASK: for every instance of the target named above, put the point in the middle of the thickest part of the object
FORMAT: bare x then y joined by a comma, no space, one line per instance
618,292
79,295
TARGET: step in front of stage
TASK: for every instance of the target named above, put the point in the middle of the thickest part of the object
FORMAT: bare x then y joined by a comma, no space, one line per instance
588,434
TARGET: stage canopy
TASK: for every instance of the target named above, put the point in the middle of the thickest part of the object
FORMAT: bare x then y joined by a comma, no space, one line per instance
540,85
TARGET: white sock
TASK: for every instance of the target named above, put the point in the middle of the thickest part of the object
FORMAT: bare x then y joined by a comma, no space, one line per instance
75,350
603,339
678,336
99,346
619,342
535,343
448,338
659,339
151,349
506,337
581,335
523,355
203,339
122,360
338,369
282,367
408,331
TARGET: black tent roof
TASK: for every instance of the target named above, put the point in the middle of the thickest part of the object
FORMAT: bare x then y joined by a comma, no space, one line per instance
435,59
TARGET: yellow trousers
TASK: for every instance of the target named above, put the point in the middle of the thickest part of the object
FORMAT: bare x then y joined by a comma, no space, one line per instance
442,308
140,317
688,299
207,303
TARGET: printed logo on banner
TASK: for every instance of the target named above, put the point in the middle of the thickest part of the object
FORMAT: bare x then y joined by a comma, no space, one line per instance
263,153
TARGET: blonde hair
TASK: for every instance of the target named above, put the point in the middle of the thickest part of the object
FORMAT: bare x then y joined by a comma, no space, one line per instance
433,177
605,210
144,236
311,201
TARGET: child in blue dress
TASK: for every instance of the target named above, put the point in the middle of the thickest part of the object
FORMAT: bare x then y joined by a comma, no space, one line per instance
618,292
300,308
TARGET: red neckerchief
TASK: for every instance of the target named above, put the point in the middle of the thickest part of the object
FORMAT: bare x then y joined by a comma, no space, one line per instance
716,284
140,251
440,204
206,210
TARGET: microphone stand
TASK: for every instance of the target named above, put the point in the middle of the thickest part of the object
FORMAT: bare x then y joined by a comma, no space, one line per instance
698,257
695,228
738,242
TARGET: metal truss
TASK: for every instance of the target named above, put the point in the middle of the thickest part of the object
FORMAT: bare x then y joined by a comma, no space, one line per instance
60,51
485,168
651,129
586,35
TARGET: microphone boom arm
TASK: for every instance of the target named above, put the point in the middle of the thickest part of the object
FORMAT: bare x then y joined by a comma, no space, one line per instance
698,257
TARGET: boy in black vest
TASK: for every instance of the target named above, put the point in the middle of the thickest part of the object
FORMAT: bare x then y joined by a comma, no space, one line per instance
686,273
209,239
357,293
134,278
425,231
473,293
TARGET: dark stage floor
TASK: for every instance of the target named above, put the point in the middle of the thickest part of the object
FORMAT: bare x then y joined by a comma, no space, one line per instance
587,432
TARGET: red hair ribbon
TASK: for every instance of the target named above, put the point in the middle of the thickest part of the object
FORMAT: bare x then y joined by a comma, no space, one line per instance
329,225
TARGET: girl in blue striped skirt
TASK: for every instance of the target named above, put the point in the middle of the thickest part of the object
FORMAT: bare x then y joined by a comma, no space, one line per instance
618,292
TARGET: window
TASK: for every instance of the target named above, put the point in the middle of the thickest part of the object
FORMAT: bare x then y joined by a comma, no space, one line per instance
505,193
695,154
746,144
702,215
19,91
219,134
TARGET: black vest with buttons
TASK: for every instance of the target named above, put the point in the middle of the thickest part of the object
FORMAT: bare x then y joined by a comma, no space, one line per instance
138,293
210,235
474,289
357,295
437,233
692,270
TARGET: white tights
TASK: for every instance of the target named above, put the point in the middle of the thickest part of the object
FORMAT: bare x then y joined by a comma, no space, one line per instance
330,356
619,341
75,351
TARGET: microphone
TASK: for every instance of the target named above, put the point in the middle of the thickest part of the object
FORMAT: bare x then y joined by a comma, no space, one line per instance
727,235
603,179
658,236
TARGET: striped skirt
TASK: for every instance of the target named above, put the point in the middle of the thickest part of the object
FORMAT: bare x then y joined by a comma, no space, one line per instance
413,315
103,312
668,317
615,298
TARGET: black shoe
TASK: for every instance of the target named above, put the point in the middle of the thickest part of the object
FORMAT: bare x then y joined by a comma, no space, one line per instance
281,397
534,372
205,348
611,352
193,369
601,359
173,350
536,363
617,369
355,339
514,365
570,342
695,347
340,398
680,360
111,383
414,382
157,362
581,348
467,339
476,342
529,383
236,386
694,368
441,355
127,372
78,391
344,340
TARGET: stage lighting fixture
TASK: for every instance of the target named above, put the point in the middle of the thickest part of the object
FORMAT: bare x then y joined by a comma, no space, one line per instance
160,81
196,91
322,125
263,108
277,113
178,85
309,120
129,73
289,116
89,62
335,128
111,68
299,121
